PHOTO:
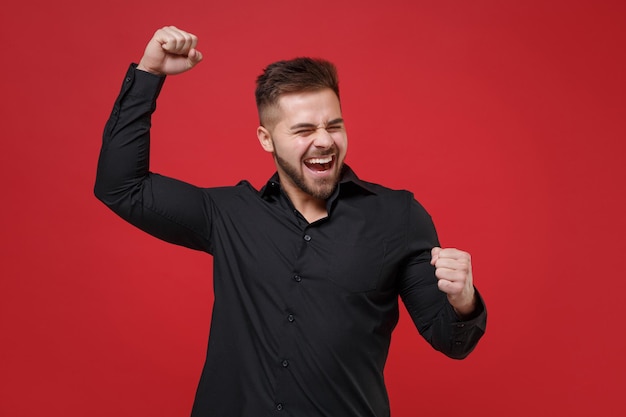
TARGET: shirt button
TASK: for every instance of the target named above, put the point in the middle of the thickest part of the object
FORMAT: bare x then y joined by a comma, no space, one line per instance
285,363
307,238
279,407
297,278
460,325
291,318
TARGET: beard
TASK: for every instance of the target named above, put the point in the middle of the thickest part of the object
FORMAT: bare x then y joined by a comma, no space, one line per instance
321,188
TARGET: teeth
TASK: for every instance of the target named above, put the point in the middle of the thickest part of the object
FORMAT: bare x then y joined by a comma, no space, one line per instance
319,160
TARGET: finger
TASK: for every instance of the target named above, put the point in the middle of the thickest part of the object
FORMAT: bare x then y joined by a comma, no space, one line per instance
452,263
177,41
452,275
454,254
189,41
183,43
173,41
449,287
434,255
165,35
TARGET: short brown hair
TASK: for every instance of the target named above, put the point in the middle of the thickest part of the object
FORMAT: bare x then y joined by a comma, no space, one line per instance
293,76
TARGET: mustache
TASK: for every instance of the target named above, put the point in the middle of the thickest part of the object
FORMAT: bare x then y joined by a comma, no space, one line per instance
327,152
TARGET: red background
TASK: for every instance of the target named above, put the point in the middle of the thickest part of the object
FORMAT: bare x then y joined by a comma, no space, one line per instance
505,118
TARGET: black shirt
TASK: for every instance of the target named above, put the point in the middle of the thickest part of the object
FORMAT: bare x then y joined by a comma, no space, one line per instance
303,313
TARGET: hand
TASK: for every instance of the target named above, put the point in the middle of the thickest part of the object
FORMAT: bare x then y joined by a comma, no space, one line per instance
454,272
170,51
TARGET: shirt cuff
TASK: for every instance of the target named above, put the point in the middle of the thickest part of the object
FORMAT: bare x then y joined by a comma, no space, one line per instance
478,318
140,83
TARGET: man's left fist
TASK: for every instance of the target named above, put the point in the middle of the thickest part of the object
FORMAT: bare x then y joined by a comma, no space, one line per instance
454,272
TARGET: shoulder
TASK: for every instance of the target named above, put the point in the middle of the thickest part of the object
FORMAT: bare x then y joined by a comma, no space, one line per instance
230,195
242,187
390,198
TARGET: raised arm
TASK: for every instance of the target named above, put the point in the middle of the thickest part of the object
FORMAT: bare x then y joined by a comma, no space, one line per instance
164,207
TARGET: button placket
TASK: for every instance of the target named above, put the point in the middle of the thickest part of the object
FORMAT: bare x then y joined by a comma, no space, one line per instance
288,345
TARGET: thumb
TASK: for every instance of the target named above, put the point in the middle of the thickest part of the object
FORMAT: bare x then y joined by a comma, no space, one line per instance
434,253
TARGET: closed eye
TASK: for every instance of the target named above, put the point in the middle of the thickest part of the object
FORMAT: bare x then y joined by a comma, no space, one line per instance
304,132
305,129
334,128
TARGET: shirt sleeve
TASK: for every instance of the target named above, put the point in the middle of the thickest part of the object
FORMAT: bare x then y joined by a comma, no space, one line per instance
428,307
169,209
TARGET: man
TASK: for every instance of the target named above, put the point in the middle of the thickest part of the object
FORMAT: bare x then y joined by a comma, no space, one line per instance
307,271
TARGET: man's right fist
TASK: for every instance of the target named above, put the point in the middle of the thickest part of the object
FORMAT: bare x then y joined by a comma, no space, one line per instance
170,51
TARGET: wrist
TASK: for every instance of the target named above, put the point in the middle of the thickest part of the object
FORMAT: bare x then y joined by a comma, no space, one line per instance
142,67
464,310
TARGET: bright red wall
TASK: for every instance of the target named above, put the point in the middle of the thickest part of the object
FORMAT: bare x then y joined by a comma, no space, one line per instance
506,118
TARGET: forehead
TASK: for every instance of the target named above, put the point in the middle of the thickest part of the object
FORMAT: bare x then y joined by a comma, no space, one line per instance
315,105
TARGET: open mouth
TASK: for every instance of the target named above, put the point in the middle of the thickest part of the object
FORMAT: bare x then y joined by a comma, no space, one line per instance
320,164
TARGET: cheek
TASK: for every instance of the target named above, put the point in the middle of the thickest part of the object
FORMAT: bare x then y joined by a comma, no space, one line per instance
293,150
341,141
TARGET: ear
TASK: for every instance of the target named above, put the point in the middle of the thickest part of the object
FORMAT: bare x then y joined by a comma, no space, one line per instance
265,138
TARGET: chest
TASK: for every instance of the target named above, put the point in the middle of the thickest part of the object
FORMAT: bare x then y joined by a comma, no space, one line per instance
352,250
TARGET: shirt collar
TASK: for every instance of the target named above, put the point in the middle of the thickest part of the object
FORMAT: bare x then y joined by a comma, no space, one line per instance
348,179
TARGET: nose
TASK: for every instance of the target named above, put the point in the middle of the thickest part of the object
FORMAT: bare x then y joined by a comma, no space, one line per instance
322,138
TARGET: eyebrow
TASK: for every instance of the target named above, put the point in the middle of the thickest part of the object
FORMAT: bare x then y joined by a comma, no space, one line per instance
311,125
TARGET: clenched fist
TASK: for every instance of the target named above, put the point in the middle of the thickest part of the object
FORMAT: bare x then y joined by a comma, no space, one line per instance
454,272
170,51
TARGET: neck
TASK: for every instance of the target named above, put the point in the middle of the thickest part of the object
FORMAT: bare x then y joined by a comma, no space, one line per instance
311,208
